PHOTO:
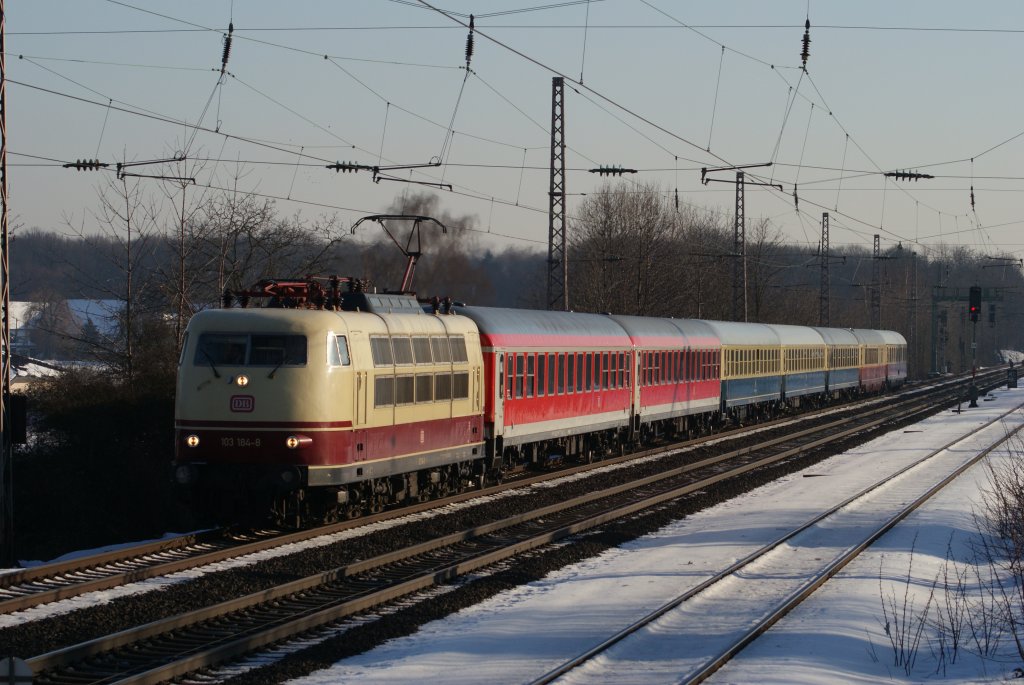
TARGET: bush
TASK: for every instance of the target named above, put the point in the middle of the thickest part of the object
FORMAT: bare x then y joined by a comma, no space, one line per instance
97,469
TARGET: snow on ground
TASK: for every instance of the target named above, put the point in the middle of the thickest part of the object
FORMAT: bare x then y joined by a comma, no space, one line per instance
838,635
1012,356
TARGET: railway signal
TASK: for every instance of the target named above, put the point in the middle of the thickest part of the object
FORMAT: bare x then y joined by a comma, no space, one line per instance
974,303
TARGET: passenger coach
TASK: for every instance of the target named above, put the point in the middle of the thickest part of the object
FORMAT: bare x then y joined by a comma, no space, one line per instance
678,384
560,382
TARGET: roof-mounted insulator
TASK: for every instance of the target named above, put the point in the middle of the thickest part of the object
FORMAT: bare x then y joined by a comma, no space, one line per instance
469,42
806,52
227,47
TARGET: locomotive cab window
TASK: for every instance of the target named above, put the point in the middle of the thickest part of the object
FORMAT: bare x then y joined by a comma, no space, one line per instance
337,350
244,349
184,346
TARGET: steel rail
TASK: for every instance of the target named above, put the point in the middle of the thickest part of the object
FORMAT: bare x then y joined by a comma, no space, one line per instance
836,566
462,562
48,583
795,599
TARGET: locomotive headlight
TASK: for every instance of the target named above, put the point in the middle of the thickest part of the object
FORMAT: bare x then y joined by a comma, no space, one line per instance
192,441
294,442
242,381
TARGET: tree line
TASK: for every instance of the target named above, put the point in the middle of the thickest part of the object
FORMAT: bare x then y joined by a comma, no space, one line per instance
164,255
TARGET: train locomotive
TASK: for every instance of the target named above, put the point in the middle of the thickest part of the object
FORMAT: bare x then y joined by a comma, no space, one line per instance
319,405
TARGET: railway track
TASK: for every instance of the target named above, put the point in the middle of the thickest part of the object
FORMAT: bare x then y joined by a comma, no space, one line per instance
793,567
196,640
48,583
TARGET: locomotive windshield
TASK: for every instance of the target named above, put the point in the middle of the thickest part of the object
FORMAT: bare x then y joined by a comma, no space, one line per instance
250,349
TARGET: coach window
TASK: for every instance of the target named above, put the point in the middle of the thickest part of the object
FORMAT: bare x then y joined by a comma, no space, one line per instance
421,350
552,372
581,360
337,350
510,374
588,376
542,374
520,372
570,372
530,371
613,378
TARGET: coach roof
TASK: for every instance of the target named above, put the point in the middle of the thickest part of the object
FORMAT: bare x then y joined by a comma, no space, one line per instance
525,328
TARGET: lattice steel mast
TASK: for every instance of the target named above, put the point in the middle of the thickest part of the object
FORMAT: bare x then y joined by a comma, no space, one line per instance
558,274
6,441
824,314
739,260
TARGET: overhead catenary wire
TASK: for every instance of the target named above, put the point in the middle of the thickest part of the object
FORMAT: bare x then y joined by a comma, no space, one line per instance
667,15
799,167
714,106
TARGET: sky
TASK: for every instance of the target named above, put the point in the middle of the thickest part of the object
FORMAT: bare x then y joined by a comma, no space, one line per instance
665,88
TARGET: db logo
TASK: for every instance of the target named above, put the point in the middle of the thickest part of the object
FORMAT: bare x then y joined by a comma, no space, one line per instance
243,403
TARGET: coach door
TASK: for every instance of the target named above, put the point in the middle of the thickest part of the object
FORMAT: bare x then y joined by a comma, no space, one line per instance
499,392
635,357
